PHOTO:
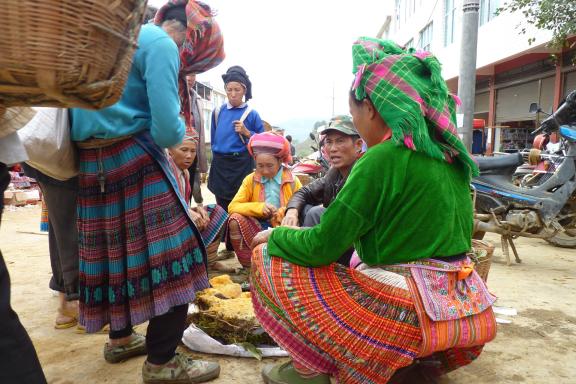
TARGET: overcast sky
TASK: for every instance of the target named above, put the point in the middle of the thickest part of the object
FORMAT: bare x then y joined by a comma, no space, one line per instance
295,52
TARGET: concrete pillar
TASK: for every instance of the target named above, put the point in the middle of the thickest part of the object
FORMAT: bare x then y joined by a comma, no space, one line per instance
558,82
467,78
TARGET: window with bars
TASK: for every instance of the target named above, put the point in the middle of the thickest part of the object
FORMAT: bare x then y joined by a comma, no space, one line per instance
409,44
449,22
425,37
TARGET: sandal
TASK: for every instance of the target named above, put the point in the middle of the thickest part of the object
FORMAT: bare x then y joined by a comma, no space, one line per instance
285,373
81,330
71,322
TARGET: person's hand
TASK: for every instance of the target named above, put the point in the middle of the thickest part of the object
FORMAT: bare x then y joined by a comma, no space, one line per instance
261,238
269,210
291,218
202,211
240,128
198,220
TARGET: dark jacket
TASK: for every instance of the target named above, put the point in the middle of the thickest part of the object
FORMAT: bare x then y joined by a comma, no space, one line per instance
320,191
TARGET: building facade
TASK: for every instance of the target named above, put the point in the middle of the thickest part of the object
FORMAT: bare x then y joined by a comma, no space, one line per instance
210,98
510,74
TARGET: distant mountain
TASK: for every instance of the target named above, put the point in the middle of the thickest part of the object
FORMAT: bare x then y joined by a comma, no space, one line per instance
299,128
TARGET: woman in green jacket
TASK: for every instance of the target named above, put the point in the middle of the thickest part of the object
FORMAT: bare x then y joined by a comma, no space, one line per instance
406,209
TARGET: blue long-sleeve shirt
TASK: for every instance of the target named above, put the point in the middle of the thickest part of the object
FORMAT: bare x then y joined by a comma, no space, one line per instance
150,99
224,138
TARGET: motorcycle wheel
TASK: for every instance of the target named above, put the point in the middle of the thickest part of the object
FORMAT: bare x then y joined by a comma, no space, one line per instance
566,239
563,240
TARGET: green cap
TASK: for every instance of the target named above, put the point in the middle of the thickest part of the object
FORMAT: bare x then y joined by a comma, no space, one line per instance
341,123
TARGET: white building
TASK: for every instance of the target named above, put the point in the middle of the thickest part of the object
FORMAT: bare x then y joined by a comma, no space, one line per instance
210,98
510,74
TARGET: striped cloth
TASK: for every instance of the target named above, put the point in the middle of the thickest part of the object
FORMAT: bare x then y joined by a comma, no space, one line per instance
343,322
241,234
140,254
44,223
202,50
218,218
269,142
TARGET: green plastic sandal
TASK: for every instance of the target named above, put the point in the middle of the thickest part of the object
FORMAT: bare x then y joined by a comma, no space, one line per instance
285,373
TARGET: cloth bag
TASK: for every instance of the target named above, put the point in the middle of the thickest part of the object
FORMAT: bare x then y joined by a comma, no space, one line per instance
47,140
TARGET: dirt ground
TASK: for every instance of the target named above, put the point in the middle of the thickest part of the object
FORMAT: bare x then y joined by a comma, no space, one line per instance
538,346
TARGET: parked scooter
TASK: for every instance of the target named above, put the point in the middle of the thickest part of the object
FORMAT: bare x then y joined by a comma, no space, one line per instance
312,168
546,210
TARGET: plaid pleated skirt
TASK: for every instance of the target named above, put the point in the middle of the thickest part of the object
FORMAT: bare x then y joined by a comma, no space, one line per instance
339,321
248,228
140,254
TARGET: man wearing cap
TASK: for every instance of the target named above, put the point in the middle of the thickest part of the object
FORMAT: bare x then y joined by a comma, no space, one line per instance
343,146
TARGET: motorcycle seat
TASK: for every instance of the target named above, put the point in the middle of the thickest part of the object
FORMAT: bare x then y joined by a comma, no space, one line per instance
512,160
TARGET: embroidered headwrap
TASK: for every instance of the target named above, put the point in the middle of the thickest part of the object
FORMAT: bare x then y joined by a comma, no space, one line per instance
238,74
203,47
271,143
407,89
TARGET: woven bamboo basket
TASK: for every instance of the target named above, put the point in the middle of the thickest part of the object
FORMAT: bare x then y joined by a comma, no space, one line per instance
481,255
67,53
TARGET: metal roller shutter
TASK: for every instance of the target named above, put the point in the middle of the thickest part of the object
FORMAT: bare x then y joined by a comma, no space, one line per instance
512,103
481,103
569,83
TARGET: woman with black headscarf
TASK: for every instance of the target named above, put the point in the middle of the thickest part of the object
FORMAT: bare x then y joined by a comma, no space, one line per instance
233,124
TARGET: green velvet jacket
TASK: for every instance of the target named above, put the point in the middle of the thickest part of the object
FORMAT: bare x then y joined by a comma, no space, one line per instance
396,206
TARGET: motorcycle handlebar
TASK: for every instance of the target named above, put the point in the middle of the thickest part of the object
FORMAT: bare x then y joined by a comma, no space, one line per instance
563,115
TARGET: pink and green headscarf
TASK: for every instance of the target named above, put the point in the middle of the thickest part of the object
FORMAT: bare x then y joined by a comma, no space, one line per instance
407,89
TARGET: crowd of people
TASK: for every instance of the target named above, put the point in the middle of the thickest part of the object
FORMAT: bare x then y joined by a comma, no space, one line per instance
131,240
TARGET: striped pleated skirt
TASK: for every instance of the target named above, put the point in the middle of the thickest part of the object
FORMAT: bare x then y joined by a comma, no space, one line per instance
339,321
140,254
241,231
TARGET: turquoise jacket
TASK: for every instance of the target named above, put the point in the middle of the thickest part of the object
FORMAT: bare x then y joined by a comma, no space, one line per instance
150,99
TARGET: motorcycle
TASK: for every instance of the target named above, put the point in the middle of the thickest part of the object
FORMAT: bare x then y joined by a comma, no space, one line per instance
545,209
310,169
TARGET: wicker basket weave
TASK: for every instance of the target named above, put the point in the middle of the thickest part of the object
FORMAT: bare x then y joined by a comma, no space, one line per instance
67,53
481,254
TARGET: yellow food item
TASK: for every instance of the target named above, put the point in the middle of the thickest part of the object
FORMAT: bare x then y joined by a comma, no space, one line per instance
234,309
220,280
225,286
246,295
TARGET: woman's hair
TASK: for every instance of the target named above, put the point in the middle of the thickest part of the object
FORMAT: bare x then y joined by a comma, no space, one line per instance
175,25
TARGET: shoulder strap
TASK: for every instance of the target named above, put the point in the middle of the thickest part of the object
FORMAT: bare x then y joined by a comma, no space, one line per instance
216,113
246,113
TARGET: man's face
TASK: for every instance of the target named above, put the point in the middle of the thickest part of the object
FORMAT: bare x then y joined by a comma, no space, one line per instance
342,149
184,154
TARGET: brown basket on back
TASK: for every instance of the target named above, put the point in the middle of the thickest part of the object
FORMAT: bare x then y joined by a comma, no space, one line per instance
481,255
67,53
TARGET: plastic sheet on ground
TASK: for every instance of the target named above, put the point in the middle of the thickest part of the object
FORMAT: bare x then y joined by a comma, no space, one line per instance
197,340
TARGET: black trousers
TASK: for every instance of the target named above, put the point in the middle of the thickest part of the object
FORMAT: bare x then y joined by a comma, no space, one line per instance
18,361
60,198
224,203
163,335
